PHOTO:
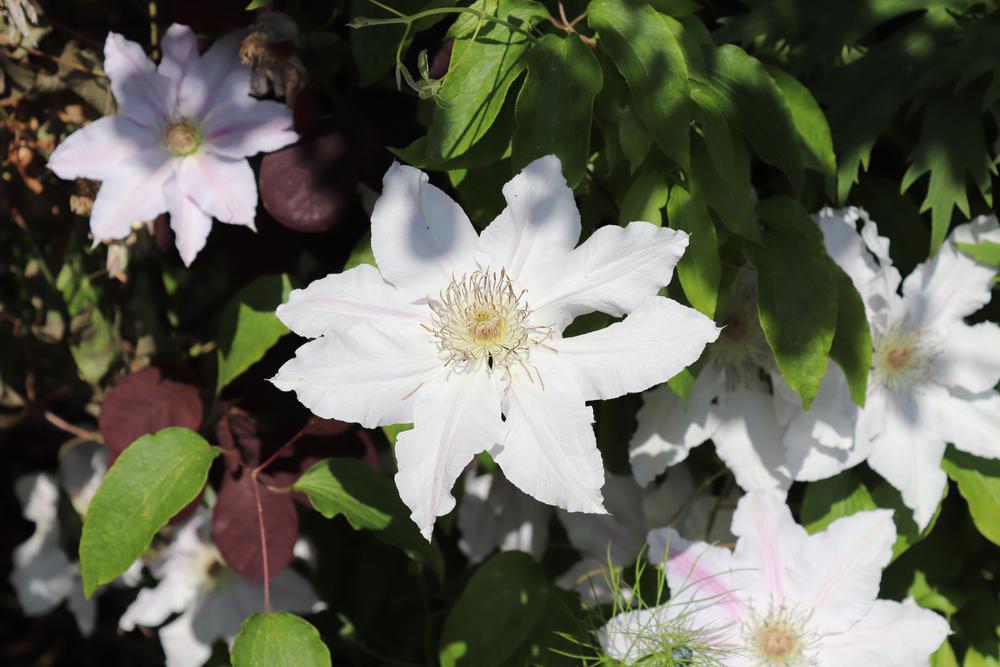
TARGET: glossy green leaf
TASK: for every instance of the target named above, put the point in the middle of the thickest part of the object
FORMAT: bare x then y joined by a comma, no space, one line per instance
852,342
645,198
741,89
811,125
907,532
986,252
827,500
279,639
248,326
369,501
700,268
484,64
944,656
644,47
555,105
509,590
952,148
152,480
978,481
721,175
797,295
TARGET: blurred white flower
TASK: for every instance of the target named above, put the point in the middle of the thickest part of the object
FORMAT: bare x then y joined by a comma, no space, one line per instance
44,575
495,515
933,376
460,334
179,142
213,601
782,598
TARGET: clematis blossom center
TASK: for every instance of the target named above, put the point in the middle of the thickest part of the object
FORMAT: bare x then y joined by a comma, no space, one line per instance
480,318
903,358
182,138
779,639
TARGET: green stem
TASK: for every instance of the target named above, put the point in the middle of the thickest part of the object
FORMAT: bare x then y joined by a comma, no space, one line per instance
364,22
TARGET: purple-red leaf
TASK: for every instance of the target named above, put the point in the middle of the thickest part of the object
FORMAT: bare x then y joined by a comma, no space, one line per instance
236,526
142,403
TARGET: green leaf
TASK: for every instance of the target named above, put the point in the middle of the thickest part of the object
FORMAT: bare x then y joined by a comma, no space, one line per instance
634,139
374,46
827,500
944,656
153,479
974,658
484,64
720,174
369,501
392,431
94,341
644,47
645,198
811,125
361,253
699,269
952,147
279,640
258,4
496,612
554,107
797,295
986,252
248,326
741,90
978,481
907,532
852,342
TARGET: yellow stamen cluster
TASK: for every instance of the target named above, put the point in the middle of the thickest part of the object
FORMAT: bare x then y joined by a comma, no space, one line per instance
182,138
903,358
780,639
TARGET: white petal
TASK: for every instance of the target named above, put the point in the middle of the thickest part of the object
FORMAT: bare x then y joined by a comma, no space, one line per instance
539,227
613,271
153,606
618,535
180,53
907,453
44,581
768,543
367,375
83,610
133,193
831,419
494,514
291,592
969,356
847,247
216,78
893,634
420,237
81,470
142,93
651,345
551,452
749,439
669,426
700,578
191,225
634,634
341,300
454,418
183,646
946,288
837,572
113,138
969,421
242,129
222,187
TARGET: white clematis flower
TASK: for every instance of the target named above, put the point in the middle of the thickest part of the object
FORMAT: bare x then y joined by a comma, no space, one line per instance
783,598
179,142
461,335
213,601
741,402
44,575
932,375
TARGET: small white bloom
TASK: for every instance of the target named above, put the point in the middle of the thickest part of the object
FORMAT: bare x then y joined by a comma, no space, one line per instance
741,402
932,375
179,142
783,598
461,335
213,601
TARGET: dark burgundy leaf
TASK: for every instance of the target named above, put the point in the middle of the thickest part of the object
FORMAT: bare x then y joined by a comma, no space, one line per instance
236,528
309,187
239,436
322,439
142,403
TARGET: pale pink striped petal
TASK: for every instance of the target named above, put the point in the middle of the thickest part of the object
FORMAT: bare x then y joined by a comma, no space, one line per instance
218,77
133,194
242,129
142,93
222,187
112,138
191,225
180,53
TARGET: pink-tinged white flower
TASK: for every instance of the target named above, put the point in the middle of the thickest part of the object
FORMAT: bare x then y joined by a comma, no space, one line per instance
44,575
179,141
783,598
461,334
213,601
933,376
740,401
